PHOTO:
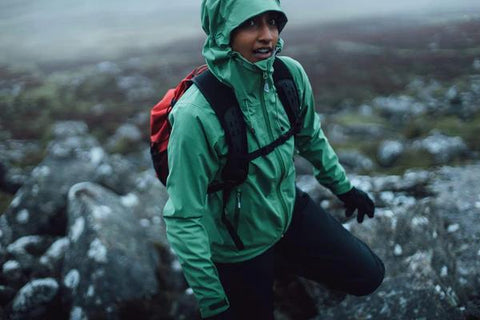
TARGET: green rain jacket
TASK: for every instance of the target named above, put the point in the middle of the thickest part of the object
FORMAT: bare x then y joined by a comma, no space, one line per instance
261,208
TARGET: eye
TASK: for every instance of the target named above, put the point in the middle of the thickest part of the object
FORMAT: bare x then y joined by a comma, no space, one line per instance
248,24
273,22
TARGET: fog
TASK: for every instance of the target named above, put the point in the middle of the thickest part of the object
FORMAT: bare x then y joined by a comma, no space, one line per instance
52,30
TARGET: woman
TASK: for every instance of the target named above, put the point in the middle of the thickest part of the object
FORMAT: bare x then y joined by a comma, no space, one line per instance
280,226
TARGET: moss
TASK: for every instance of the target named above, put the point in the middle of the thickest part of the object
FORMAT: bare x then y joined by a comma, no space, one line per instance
469,129
352,118
5,200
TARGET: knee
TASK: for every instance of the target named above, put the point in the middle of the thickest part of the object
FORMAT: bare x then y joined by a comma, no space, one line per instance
371,280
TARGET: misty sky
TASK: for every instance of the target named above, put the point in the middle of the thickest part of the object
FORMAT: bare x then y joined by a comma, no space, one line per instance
65,29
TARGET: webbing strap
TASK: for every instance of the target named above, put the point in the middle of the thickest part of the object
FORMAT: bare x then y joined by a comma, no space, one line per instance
223,101
231,230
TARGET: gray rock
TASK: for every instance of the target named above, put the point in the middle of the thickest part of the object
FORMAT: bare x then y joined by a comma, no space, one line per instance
309,184
341,134
355,161
5,235
303,166
74,156
108,67
125,137
399,108
53,257
12,272
26,250
39,206
32,301
7,183
116,173
109,260
398,298
65,129
441,147
389,151
476,64
458,202
136,87
6,295
147,200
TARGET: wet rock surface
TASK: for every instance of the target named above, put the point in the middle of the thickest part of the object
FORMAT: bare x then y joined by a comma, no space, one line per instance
110,257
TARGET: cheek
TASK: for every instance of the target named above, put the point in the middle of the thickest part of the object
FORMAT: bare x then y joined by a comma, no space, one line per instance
240,42
275,37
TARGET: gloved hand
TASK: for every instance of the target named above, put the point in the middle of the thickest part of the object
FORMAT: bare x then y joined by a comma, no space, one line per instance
225,315
357,199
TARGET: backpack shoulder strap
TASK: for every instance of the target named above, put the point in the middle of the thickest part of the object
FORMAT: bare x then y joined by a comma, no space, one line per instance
287,90
223,101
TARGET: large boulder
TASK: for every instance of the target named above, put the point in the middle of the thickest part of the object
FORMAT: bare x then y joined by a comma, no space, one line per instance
73,156
109,261
442,148
37,300
425,230
39,206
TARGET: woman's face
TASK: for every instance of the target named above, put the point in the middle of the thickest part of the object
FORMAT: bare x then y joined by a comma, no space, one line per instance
256,38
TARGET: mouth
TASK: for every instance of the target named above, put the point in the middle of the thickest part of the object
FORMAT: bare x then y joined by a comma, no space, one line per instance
262,53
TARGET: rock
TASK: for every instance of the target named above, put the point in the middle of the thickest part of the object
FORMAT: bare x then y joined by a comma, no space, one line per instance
413,182
74,156
399,109
354,161
26,250
6,295
136,87
109,261
441,147
124,139
341,134
476,64
53,257
108,67
65,129
39,206
147,200
458,202
33,300
12,272
303,166
7,184
5,235
389,151
116,173
397,299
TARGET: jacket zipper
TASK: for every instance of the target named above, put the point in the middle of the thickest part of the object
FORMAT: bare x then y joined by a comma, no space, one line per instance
279,155
238,207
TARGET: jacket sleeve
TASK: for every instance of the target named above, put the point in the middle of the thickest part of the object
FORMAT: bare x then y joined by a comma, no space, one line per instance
311,141
191,161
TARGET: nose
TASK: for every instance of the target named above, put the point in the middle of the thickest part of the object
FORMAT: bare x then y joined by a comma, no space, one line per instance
265,33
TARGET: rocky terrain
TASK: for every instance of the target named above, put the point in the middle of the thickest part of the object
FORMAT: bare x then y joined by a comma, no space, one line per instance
81,233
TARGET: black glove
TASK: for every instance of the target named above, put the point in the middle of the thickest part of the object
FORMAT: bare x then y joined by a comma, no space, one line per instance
357,199
225,315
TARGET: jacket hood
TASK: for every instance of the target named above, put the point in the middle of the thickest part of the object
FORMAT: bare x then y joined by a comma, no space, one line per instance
219,19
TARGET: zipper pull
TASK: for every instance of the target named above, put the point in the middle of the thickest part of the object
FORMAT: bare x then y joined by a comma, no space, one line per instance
266,87
239,199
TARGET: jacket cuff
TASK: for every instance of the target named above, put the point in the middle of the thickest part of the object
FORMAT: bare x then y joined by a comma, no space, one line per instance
341,188
215,308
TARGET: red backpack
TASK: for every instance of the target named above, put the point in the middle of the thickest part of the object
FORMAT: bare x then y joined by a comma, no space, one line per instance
160,127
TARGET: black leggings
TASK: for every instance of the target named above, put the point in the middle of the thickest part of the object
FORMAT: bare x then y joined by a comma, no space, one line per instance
317,247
